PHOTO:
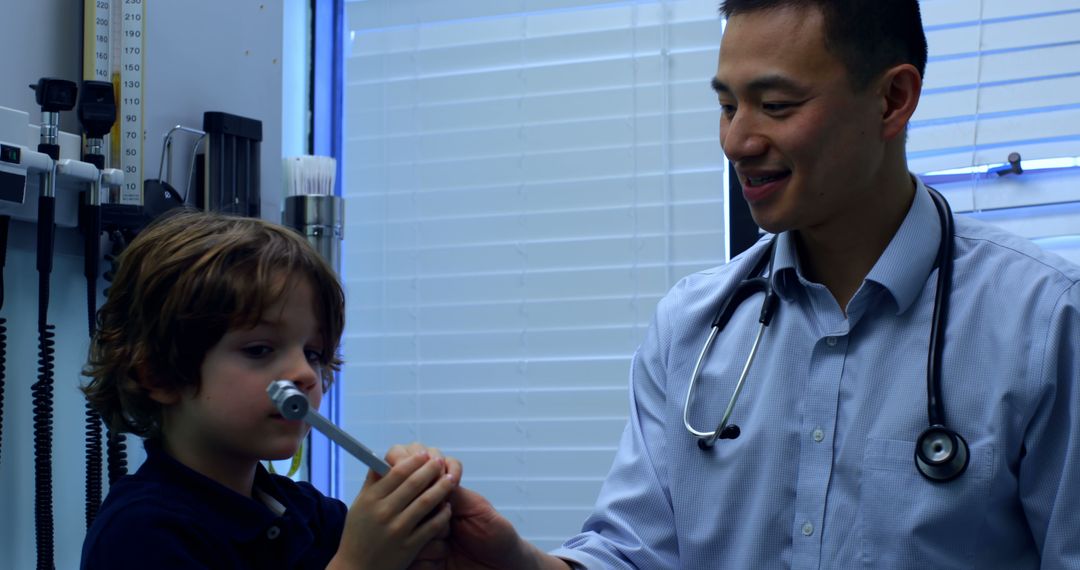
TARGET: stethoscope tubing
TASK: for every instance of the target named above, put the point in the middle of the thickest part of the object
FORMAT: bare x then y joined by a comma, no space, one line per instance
941,454
934,401
712,435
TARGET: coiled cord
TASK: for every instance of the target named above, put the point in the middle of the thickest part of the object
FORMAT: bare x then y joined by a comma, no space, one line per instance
115,443
116,451
3,363
4,221
93,464
117,244
91,255
42,392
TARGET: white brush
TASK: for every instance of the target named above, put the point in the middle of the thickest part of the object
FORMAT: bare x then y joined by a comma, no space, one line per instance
310,206
309,175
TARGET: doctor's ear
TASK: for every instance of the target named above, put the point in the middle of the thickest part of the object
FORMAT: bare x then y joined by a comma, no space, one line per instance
899,88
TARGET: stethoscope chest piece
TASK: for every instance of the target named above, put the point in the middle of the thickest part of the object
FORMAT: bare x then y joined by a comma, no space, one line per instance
940,453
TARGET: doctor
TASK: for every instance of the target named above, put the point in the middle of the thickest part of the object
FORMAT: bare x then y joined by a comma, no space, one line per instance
816,96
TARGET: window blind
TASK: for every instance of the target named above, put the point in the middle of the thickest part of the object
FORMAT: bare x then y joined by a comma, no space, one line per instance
525,179
1004,77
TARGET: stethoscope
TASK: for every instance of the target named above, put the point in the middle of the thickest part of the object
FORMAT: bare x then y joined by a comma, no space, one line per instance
941,454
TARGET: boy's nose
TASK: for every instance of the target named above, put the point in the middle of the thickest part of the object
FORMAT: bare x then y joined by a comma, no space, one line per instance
303,373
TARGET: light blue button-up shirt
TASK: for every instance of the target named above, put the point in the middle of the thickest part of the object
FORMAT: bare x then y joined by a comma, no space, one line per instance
823,475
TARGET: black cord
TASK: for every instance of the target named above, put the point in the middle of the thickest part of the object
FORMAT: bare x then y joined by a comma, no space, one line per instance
115,443
93,464
42,390
116,451
3,366
91,254
91,263
4,222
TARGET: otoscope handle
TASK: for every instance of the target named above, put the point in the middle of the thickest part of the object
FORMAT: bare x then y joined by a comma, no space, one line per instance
5,221
98,160
294,405
46,233
53,150
92,241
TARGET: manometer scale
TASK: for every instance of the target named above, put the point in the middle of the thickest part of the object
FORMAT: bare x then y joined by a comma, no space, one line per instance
113,50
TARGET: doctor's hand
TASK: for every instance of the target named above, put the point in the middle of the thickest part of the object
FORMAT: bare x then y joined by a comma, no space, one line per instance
479,538
482,539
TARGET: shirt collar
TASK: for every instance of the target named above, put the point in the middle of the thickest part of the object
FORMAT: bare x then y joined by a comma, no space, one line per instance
902,269
785,275
233,514
910,256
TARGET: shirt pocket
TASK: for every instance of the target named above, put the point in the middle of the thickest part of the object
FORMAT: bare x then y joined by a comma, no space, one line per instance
908,521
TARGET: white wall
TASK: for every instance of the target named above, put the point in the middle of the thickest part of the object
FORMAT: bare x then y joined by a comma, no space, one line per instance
202,55
215,56
40,38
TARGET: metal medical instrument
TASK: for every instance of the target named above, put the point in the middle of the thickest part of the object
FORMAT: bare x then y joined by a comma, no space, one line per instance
294,405
114,42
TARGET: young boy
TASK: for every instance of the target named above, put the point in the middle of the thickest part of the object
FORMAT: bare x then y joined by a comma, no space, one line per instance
204,313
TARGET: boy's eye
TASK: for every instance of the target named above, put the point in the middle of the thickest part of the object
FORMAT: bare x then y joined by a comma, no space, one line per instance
314,356
257,351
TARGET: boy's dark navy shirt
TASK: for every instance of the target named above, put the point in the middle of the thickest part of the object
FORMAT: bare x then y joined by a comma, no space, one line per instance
167,516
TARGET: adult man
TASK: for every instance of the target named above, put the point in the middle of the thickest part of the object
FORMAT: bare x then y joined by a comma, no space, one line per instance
816,98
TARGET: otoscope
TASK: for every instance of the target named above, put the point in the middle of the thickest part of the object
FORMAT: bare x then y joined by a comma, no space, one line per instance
294,405
23,160
97,114
54,96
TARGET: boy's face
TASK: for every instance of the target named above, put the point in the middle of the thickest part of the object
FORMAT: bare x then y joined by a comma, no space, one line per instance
803,142
230,421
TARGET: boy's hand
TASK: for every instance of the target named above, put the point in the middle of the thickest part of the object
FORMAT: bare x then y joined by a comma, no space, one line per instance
480,538
433,555
399,452
389,522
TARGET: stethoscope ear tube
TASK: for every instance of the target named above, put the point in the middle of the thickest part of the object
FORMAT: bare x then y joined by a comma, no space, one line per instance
746,288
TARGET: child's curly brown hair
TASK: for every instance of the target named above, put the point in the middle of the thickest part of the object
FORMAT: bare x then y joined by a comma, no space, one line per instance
182,283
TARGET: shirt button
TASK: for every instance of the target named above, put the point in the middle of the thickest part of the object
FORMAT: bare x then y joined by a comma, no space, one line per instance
807,528
273,532
819,435
830,340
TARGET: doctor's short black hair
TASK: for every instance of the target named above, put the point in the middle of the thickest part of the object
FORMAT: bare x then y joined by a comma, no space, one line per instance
867,36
